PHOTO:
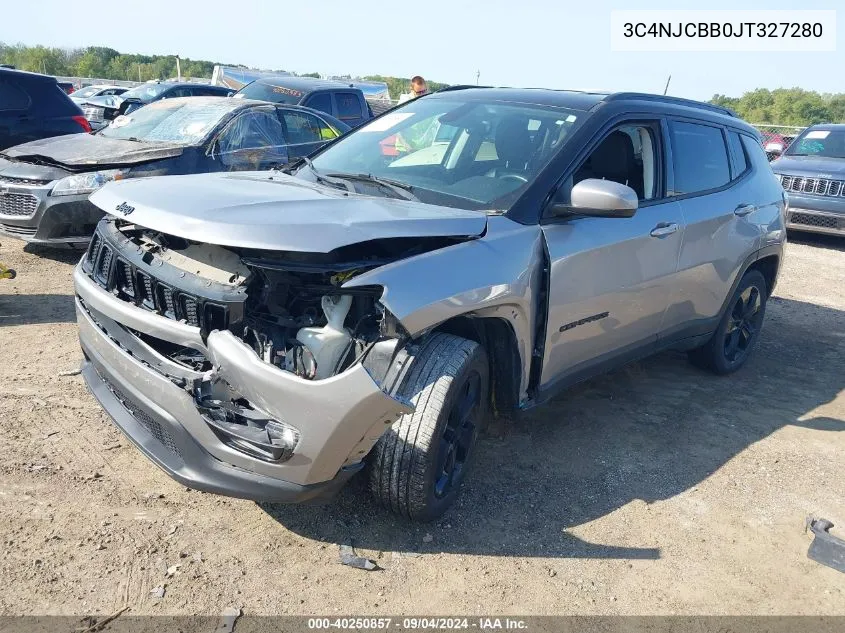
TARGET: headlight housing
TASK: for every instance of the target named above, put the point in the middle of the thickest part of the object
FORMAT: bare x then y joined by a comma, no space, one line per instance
86,183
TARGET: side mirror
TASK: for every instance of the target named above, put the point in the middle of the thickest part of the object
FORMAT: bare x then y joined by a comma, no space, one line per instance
774,149
600,199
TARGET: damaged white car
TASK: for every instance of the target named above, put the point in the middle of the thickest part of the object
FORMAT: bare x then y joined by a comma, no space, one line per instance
267,335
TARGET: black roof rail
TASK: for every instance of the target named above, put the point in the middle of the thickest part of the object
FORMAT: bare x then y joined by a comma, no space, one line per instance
690,103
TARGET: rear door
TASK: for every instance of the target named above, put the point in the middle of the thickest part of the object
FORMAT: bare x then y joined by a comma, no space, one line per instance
713,181
611,278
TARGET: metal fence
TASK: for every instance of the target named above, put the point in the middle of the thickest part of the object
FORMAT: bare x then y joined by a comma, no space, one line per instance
81,82
776,138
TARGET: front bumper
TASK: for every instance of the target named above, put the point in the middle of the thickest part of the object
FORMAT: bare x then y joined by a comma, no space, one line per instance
816,214
151,399
43,219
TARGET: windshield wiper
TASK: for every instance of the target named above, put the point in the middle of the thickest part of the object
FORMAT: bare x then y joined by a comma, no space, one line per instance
321,177
399,188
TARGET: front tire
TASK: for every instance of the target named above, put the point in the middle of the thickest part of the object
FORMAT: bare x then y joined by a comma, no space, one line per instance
419,464
738,330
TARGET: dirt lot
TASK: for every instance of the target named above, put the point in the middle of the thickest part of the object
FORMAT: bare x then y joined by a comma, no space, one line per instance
657,489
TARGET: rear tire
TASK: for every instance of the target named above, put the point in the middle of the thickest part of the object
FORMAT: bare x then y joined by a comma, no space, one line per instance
739,329
418,465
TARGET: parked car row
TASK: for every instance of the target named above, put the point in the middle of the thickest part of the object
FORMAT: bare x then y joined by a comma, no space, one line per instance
46,183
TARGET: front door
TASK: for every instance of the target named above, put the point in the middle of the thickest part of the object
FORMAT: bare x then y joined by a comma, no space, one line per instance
610,278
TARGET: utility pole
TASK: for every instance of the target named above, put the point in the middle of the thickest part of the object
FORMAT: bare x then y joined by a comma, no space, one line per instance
477,76
139,73
667,85
178,70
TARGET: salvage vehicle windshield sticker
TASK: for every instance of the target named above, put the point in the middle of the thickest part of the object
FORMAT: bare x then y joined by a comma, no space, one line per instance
386,122
287,91
121,121
818,134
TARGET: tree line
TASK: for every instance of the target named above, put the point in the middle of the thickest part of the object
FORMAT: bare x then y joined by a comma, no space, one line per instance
786,106
783,106
106,63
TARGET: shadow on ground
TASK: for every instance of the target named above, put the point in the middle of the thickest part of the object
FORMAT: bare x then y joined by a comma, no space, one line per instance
818,240
29,309
646,432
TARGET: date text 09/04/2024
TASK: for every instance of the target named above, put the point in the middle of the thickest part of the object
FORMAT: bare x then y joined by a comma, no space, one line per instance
433,623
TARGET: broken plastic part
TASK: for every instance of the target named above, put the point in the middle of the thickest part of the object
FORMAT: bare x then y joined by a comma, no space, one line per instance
825,548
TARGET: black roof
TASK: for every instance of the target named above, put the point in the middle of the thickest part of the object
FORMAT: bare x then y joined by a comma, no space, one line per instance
576,99
24,74
303,84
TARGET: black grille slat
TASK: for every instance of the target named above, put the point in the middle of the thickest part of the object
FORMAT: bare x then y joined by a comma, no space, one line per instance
190,310
128,279
145,290
164,301
102,269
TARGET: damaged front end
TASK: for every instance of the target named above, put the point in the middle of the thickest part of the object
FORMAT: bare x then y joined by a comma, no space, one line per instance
260,360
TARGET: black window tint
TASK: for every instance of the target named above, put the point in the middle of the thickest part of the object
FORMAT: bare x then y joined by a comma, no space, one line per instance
755,152
321,101
348,105
739,153
700,157
12,97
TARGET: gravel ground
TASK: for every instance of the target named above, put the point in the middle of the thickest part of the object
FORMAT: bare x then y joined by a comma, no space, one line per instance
656,489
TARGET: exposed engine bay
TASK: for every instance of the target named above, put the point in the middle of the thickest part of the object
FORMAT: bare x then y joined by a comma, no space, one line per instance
289,307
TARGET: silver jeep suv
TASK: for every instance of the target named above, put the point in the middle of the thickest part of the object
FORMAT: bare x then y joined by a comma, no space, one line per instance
266,335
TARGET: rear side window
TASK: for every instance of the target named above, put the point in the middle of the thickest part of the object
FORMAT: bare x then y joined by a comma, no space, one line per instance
754,151
348,106
321,101
700,157
12,97
740,161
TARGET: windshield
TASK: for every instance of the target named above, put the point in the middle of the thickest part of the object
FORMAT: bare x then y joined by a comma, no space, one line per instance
262,91
466,154
826,143
90,91
145,92
181,121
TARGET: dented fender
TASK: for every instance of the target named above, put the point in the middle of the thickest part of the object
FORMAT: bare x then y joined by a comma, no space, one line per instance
498,275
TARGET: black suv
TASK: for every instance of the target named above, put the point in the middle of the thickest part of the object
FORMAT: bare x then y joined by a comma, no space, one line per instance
812,172
33,106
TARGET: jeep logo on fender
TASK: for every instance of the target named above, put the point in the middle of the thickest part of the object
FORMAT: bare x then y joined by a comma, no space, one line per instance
124,208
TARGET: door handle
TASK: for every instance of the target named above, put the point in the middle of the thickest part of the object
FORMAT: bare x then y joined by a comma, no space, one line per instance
663,229
744,209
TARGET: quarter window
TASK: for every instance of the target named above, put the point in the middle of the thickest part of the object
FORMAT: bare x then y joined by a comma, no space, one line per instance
740,160
700,157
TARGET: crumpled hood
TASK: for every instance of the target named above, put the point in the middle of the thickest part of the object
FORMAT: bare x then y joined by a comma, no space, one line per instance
78,151
815,166
275,211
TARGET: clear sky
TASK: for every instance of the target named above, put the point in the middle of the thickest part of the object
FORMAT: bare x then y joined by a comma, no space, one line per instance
552,43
